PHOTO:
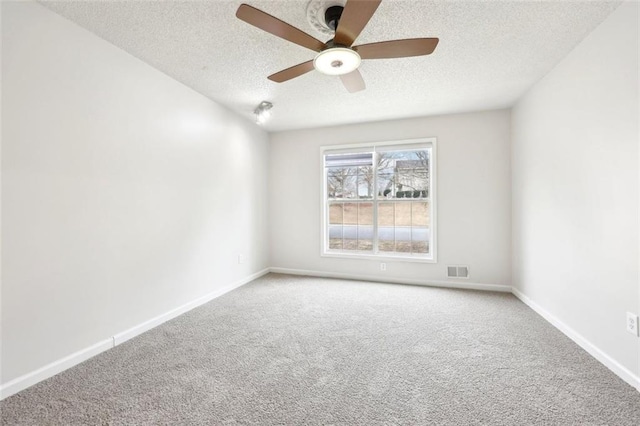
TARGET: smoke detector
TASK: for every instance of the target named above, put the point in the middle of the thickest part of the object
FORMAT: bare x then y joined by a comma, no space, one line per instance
316,10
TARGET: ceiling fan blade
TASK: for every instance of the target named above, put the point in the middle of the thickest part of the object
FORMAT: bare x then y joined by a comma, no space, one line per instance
397,48
355,16
353,81
279,28
292,72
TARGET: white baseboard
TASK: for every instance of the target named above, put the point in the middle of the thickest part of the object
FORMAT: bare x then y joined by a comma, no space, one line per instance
50,370
585,344
154,322
387,279
30,379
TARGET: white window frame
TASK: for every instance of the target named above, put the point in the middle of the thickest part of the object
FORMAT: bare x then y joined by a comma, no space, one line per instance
385,256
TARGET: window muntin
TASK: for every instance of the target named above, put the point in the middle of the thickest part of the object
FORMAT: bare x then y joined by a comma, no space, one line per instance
378,201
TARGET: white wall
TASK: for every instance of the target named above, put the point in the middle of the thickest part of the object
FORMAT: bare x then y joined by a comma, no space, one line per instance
575,189
473,209
124,193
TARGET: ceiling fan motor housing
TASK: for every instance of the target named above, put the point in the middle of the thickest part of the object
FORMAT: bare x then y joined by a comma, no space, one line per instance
335,59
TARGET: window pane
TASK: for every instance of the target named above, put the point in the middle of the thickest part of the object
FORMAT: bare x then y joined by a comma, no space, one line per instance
420,239
365,214
386,245
365,182
350,214
365,226
350,182
335,237
420,228
365,238
335,225
342,182
386,186
419,214
350,237
386,237
350,228
403,246
386,214
403,214
403,174
335,213
403,227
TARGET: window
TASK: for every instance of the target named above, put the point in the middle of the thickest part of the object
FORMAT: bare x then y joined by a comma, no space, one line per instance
378,200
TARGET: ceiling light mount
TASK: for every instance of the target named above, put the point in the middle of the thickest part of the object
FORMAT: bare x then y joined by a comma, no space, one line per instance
263,112
317,15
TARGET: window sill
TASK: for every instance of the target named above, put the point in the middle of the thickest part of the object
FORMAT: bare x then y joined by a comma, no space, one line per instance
380,257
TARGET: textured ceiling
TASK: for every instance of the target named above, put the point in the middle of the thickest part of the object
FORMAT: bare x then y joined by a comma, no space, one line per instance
490,53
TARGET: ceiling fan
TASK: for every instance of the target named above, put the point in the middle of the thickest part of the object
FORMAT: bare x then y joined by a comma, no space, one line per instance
337,56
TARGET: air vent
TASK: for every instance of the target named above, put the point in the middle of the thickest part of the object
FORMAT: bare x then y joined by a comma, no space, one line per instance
457,272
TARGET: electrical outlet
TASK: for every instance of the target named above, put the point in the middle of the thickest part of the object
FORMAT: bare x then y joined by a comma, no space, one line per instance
383,266
240,259
632,323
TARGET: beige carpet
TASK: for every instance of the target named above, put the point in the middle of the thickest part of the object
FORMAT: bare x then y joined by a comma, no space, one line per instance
292,350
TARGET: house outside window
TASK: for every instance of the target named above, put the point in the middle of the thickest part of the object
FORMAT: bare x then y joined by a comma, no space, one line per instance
379,200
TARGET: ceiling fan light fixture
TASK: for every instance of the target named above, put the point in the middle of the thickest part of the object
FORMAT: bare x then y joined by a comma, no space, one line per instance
337,61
